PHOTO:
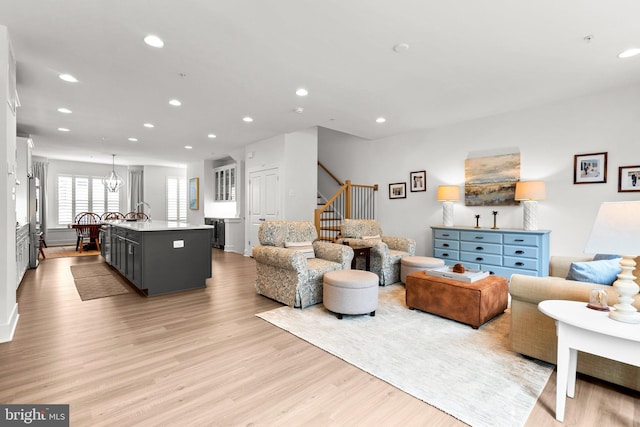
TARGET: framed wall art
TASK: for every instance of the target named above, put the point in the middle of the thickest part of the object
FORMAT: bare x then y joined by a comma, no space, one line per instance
398,190
418,181
491,180
194,199
590,168
628,179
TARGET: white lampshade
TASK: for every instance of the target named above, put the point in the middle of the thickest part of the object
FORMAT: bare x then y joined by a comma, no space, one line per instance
530,190
448,193
617,231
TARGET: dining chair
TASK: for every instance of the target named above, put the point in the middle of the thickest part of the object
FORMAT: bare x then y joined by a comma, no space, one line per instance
110,216
87,227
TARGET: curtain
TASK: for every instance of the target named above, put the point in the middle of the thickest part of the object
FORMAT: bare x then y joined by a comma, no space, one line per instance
40,170
136,188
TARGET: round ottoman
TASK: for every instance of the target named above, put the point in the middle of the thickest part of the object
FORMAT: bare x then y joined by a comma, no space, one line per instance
350,292
413,264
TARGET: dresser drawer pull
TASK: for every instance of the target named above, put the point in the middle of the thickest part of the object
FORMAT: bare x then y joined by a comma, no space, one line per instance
519,252
519,264
479,248
479,237
445,245
479,258
446,234
445,255
518,240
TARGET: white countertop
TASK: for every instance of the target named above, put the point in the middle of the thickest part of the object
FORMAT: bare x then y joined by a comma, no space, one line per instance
157,225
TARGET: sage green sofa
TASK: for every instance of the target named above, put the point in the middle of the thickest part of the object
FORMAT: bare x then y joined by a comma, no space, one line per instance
534,334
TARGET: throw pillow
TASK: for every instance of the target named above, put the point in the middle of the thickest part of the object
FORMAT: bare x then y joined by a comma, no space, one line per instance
600,257
296,244
603,272
377,236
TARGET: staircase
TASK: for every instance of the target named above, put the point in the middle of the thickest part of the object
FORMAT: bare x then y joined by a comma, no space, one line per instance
351,201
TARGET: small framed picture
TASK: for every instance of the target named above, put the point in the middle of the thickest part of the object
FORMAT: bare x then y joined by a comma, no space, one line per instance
398,190
194,196
418,181
628,179
590,168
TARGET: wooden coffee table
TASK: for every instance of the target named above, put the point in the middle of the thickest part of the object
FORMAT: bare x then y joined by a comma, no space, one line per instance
473,303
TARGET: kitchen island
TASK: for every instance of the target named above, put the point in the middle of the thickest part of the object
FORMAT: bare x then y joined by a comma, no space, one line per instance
159,257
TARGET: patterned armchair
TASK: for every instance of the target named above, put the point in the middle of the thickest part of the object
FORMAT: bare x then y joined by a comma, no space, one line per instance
290,262
386,251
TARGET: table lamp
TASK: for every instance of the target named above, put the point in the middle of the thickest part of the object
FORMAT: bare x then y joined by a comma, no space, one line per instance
617,231
447,194
529,192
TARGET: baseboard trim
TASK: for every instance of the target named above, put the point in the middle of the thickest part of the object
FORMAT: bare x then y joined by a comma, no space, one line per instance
8,329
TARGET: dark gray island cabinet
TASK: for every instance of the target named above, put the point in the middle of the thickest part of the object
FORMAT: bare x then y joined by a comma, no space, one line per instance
160,257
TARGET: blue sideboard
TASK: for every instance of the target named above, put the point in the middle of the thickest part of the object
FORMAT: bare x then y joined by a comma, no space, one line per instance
501,252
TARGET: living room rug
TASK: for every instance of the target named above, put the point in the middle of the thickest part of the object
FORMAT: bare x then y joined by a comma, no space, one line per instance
98,280
469,374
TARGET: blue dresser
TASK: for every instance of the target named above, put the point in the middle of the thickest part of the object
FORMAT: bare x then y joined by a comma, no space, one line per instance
501,252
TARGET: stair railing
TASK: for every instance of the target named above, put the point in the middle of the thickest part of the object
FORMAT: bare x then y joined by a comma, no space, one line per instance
352,201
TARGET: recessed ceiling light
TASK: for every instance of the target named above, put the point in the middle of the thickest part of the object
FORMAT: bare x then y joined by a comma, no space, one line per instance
247,119
64,130
175,103
149,125
64,110
381,120
211,135
133,139
68,78
302,92
629,53
154,41
298,110
188,147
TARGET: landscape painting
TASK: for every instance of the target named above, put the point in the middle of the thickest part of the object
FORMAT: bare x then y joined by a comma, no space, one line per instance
491,181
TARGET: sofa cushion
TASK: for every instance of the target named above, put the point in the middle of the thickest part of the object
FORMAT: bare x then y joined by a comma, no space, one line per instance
603,272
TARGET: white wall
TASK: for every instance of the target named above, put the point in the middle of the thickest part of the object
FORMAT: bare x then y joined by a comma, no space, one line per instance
547,137
300,174
8,305
155,188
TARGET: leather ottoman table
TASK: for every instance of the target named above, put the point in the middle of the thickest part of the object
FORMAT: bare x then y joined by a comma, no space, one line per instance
473,303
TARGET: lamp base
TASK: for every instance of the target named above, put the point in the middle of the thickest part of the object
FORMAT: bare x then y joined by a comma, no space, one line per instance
530,215
626,289
447,214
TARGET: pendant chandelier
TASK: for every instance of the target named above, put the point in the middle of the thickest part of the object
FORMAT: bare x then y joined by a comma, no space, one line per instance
113,182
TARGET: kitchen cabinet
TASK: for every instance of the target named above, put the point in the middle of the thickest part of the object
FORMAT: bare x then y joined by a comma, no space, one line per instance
161,257
225,183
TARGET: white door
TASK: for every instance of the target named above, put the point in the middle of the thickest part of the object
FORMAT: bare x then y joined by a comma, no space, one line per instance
264,201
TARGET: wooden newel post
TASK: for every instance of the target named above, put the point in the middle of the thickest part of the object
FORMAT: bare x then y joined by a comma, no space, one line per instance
347,205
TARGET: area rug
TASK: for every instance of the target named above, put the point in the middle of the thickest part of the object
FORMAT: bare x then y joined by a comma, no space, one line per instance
469,374
98,280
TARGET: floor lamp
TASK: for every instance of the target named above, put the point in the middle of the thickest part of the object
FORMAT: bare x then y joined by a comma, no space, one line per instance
529,192
617,231
447,194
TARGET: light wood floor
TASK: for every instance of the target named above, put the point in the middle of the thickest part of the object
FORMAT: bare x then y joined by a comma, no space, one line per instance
202,358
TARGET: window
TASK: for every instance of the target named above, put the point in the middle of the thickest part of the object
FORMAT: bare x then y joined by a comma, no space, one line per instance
176,199
84,194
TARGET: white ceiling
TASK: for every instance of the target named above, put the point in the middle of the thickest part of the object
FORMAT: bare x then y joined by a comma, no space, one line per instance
467,59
